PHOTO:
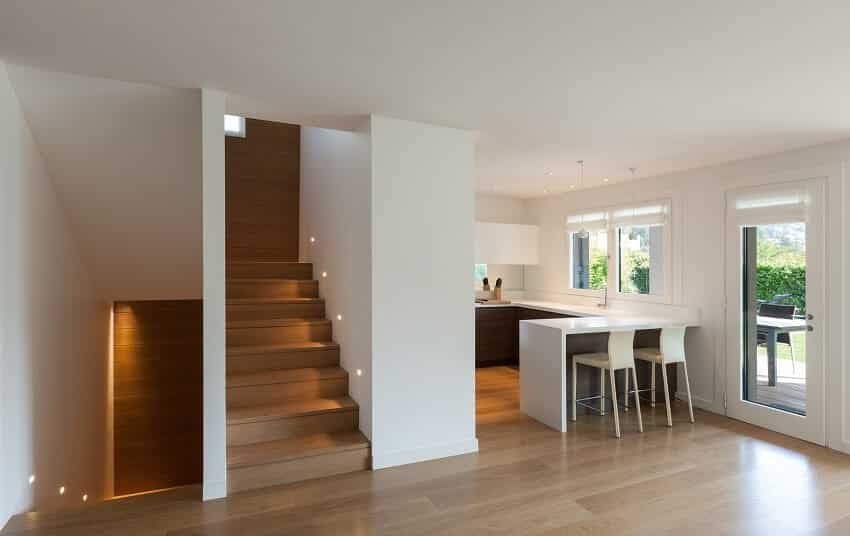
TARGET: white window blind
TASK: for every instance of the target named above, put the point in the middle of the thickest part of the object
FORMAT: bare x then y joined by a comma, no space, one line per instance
656,213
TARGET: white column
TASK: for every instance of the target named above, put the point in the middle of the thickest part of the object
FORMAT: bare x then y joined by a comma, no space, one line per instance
215,412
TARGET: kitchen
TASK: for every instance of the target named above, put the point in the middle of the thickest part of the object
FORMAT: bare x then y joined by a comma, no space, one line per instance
529,337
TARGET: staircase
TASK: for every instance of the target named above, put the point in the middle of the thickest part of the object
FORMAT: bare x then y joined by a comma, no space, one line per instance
289,417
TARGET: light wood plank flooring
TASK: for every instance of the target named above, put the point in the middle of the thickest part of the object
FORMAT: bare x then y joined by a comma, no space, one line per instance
717,477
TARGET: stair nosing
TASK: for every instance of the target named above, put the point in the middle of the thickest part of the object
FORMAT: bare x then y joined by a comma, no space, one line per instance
276,417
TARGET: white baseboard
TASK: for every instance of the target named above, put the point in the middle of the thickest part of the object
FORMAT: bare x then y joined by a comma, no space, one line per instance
214,490
381,460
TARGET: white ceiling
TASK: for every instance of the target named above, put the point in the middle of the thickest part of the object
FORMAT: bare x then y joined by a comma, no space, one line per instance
659,85
126,161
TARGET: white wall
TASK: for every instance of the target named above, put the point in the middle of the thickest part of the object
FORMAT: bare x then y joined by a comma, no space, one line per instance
336,210
124,160
423,366
214,324
53,337
496,209
698,269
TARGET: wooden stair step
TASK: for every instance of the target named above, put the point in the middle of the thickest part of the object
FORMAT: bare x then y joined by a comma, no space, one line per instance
272,288
296,448
250,309
272,300
297,469
285,376
274,322
254,333
290,409
278,386
275,269
303,346
263,358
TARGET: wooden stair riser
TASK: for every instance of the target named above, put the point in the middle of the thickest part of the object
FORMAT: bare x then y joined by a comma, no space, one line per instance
272,288
308,332
261,395
263,311
277,270
286,472
283,360
289,427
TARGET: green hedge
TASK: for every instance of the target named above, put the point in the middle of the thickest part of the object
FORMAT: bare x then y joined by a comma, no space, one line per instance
773,280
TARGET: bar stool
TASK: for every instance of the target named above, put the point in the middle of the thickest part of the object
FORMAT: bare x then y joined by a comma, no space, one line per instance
672,351
620,356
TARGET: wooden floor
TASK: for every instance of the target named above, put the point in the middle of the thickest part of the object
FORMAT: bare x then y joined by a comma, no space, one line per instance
717,477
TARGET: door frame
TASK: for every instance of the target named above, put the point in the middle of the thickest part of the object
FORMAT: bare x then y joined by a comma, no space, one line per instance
813,426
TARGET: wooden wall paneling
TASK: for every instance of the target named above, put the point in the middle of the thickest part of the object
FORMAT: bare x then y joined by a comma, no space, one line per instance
263,188
158,400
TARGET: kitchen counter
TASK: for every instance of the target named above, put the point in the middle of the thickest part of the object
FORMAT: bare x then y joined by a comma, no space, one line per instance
589,319
546,347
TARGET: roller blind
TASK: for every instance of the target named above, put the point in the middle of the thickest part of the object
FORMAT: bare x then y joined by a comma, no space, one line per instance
655,213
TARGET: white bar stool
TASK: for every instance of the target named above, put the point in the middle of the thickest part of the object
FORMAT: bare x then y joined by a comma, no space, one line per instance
672,351
620,356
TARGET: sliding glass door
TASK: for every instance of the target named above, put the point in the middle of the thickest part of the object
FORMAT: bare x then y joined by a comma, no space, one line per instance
775,278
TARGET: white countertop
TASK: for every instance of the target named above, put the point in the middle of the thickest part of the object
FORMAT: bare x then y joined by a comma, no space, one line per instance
590,319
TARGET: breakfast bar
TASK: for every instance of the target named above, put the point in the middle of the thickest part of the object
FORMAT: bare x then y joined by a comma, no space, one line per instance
546,347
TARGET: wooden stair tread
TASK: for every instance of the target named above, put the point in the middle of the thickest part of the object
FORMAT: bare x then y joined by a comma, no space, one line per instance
303,346
285,376
293,408
263,301
266,262
275,322
272,280
290,449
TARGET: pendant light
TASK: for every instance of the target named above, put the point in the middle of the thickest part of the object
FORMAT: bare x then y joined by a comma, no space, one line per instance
582,233
633,234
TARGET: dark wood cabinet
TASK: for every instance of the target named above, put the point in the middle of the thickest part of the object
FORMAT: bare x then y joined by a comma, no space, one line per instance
497,333
496,336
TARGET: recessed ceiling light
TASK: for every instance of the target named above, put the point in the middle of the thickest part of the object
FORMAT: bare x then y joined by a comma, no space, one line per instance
61,490
604,180
339,317
324,274
548,173
545,190
85,497
572,186
32,479
312,239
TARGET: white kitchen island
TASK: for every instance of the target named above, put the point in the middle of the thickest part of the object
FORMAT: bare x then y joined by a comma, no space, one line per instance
545,372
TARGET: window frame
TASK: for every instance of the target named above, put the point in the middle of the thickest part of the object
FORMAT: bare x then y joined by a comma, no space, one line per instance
613,258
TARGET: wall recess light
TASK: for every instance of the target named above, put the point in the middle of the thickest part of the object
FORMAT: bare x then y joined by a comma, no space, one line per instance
312,239
359,372
85,497
324,274
339,317
32,479
61,490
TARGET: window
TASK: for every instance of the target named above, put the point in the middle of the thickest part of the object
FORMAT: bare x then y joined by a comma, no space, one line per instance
640,259
479,273
234,126
624,250
589,259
